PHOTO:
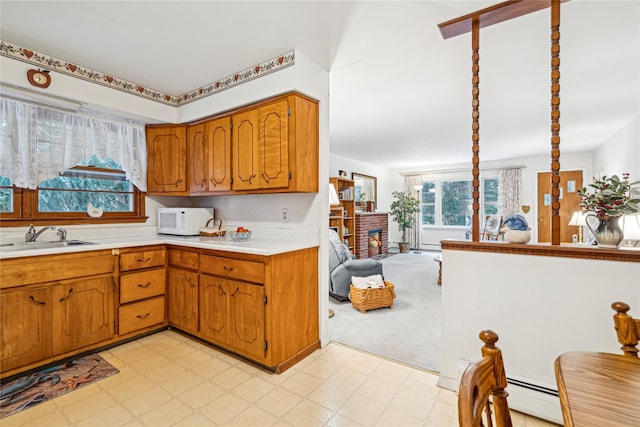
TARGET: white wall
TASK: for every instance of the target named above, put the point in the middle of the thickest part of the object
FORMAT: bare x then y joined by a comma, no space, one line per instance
620,153
539,306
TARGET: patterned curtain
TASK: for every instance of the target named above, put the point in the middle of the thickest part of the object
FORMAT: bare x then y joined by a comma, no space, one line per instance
414,232
509,191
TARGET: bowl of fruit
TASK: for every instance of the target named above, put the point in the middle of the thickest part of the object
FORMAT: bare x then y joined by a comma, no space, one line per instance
241,234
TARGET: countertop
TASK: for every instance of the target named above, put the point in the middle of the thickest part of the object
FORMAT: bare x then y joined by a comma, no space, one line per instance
256,245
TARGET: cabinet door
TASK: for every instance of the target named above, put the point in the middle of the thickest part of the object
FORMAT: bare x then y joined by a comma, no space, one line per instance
198,159
247,319
25,330
245,150
83,313
167,160
183,299
214,310
273,145
210,156
219,133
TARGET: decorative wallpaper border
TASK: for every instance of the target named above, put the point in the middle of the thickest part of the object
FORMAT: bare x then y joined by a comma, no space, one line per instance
51,63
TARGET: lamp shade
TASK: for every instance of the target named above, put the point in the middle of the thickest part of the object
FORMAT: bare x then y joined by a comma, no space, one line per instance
578,218
630,227
333,196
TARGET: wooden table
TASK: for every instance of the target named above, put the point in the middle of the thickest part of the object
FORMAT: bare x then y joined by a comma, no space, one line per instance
598,389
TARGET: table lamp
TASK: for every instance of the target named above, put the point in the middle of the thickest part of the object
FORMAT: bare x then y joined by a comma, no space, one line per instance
578,219
333,196
630,225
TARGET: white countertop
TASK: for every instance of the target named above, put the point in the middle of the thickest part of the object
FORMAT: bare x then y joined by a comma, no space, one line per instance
256,245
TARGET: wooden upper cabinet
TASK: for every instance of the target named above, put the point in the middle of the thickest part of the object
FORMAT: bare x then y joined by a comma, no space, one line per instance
245,150
167,160
268,147
210,156
273,145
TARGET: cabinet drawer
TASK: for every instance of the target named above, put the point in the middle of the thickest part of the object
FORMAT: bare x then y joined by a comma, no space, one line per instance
141,285
141,315
50,268
142,259
248,271
183,259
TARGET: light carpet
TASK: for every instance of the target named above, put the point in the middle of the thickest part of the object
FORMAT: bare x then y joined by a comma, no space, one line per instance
410,331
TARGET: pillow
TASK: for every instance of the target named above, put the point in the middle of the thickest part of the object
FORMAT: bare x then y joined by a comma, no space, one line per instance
374,281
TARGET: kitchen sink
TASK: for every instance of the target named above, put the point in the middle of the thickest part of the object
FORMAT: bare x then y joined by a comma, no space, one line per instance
23,246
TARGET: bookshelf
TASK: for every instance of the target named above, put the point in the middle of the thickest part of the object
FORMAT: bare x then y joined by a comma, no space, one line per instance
347,208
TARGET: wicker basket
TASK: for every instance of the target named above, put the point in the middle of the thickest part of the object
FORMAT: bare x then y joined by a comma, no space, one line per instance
371,298
213,231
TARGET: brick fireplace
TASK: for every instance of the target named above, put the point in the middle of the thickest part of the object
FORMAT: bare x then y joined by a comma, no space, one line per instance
371,225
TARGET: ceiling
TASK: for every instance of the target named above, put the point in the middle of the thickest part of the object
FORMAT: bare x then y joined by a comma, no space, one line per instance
400,93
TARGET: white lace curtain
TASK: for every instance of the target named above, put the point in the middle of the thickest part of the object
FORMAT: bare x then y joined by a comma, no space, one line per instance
38,143
509,190
410,181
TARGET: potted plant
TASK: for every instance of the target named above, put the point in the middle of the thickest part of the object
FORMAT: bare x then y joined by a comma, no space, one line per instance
403,211
608,202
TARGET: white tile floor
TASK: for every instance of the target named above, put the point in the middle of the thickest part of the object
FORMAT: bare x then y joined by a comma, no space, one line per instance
168,379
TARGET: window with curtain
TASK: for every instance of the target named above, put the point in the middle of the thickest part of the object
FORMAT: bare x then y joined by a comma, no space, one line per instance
55,164
448,202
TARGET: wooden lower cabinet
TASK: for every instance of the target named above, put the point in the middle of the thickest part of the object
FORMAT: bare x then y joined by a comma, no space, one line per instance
82,313
264,308
183,299
232,315
143,285
54,306
54,319
25,328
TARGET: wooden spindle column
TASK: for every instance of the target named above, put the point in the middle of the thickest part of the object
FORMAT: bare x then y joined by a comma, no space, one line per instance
555,122
475,80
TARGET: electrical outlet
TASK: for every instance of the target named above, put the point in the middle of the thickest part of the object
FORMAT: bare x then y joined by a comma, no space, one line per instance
285,215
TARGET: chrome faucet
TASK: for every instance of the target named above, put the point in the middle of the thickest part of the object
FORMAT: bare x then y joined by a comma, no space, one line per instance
63,234
32,235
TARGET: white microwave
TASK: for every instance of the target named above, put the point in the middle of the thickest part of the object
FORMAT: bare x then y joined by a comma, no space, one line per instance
183,221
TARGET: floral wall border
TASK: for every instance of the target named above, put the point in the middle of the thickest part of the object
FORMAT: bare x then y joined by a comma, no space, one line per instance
51,63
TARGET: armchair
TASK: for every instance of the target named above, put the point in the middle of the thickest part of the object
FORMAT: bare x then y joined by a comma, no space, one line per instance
342,266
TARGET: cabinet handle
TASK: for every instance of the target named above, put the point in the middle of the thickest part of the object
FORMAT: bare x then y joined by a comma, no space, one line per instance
265,177
213,182
251,178
227,269
204,181
67,296
143,260
143,317
33,300
220,290
235,292
178,181
193,285
145,286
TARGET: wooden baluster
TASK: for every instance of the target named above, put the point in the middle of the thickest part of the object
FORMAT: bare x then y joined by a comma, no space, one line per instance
475,80
555,122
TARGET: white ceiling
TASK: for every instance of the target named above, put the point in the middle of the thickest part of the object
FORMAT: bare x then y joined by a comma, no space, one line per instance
400,94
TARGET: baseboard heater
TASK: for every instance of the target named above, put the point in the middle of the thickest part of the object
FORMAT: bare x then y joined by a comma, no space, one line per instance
534,387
